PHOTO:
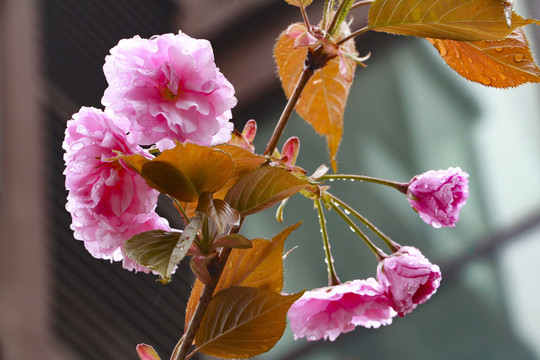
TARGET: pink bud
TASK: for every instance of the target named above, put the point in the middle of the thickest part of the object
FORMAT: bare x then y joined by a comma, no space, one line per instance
438,196
290,150
409,278
147,352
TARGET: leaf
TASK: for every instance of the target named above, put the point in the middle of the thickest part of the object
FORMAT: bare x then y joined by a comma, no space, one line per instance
161,251
500,63
263,188
233,241
465,20
147,352
244,162
188,170
299,3
242,322
259,267
221,213
322,103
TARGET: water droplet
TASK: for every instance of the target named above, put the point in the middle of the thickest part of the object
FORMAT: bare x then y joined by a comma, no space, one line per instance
499,49
350,227
518,58
469,60
347,211
484,79
154,37
330,180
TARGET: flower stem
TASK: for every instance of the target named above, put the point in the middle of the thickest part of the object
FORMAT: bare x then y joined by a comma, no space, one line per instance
356,33
378,252
180,352
393,246
307,73
401,187
332,277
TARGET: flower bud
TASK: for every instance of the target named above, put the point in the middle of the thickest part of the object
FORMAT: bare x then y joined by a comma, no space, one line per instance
438,196
409,278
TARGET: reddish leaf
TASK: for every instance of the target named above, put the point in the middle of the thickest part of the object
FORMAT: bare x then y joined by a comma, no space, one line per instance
322,103
465,20
501,63
243,322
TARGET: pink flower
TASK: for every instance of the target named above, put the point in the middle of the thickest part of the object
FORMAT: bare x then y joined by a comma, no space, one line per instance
109,203
169,87
438,196
330,311
409,278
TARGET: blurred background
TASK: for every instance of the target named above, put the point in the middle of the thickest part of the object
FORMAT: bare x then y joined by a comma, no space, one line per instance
407,113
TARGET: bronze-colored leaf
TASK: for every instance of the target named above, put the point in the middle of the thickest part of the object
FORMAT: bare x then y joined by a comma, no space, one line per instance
500,63
188,170
243,322
261,266
263,188
244,162
322,103
464,20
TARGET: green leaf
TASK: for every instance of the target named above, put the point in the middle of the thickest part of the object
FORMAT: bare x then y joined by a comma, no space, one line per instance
147,352
188,170
263,188
465,20
161,251
243,322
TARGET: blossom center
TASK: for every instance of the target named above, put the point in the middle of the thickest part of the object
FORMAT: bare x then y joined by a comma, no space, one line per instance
167,94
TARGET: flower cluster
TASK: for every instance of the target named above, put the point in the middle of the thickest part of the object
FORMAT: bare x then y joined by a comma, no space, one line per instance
404,280
161,90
